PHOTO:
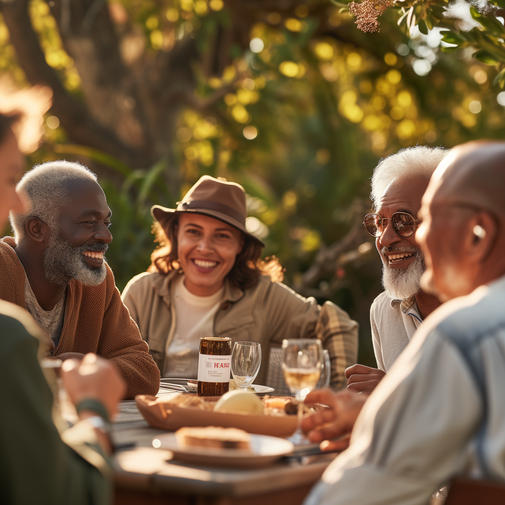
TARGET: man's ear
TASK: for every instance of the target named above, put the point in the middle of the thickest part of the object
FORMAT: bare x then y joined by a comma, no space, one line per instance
482,235
37,230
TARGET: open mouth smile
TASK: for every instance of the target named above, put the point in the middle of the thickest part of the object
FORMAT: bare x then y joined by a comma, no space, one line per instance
94,259
94,255
397,258
205,264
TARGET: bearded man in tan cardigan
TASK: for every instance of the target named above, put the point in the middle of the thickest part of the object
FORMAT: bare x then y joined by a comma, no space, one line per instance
55,268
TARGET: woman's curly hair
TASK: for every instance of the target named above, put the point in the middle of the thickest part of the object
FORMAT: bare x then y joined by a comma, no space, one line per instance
246,270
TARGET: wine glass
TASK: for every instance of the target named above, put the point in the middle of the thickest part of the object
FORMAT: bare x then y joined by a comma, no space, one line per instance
324,379
301,365
245,363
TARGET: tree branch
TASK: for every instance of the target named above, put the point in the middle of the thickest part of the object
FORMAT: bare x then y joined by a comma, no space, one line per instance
329,259
81,127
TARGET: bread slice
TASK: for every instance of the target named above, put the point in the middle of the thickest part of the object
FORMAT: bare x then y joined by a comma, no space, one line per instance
214,437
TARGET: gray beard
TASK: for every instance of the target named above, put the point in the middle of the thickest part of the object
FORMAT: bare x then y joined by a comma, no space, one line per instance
63,262
402,283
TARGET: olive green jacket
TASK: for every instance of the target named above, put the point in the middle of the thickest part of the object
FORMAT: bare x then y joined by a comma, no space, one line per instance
36,466
266,313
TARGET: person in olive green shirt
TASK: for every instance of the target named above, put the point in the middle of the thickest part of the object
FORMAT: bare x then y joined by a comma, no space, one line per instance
38,464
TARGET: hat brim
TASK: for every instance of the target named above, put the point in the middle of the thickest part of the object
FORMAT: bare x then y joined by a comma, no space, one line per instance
163,215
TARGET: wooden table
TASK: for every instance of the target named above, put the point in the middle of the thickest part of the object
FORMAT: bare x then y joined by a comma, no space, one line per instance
144,475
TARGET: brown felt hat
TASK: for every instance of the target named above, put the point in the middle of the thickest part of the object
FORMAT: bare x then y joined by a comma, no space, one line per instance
212,197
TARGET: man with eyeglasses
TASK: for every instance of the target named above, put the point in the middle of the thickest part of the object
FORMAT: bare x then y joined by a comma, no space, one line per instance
398,184
439,412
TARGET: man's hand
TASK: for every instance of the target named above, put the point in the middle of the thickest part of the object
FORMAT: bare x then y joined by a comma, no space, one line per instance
336,421
93,377
363,379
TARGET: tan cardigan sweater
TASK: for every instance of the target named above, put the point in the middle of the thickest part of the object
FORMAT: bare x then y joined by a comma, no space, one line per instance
95,321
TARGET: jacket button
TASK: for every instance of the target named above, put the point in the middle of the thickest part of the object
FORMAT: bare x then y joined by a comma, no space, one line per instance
225,306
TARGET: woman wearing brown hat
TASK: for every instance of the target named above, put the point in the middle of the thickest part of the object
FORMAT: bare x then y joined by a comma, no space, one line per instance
207,278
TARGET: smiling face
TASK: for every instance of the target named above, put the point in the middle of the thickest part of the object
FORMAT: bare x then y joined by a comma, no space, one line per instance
76,249
11,166
207,249
401,256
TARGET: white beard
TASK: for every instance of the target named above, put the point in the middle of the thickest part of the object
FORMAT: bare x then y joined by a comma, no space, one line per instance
402,283
63,262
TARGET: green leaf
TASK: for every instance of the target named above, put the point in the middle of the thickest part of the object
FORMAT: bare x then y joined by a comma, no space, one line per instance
500,79
499,3
486,43
152,175
450,49
452,38
438,10
430,21
485,57
475,13
96,155
491,24
422,27
340,4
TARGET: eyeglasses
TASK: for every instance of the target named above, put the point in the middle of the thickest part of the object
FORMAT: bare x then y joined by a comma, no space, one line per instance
403,223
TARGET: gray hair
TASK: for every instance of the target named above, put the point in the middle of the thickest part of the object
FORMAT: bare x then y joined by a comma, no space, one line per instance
45,190
417,161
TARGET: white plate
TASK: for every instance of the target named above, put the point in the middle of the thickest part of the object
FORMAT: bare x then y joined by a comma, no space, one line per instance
264,451
261,390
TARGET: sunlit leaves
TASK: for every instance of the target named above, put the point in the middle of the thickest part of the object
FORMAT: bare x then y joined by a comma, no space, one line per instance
216,5
56,56
489,23
488,40
349,108
240,114
300,108
324,51
289,69
485,57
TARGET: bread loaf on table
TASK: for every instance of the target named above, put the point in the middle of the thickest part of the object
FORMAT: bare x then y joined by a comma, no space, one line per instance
214,437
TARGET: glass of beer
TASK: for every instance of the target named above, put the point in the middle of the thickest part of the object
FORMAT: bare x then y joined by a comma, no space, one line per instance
301,365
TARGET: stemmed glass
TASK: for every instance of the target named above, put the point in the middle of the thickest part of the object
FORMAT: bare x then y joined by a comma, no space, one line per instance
301,365
245,363
324,379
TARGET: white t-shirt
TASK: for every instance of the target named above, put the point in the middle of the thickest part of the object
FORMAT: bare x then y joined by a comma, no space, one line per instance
52,320
194,319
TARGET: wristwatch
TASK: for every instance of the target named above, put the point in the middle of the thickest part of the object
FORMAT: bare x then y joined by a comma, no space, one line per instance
100,424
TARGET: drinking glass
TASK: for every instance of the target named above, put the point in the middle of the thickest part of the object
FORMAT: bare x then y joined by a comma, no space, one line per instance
324,379
245,363
301,365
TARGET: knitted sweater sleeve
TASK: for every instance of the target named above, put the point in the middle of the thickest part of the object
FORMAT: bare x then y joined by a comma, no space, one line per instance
125,347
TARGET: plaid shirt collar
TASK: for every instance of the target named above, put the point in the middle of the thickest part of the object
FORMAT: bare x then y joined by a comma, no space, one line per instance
405,305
